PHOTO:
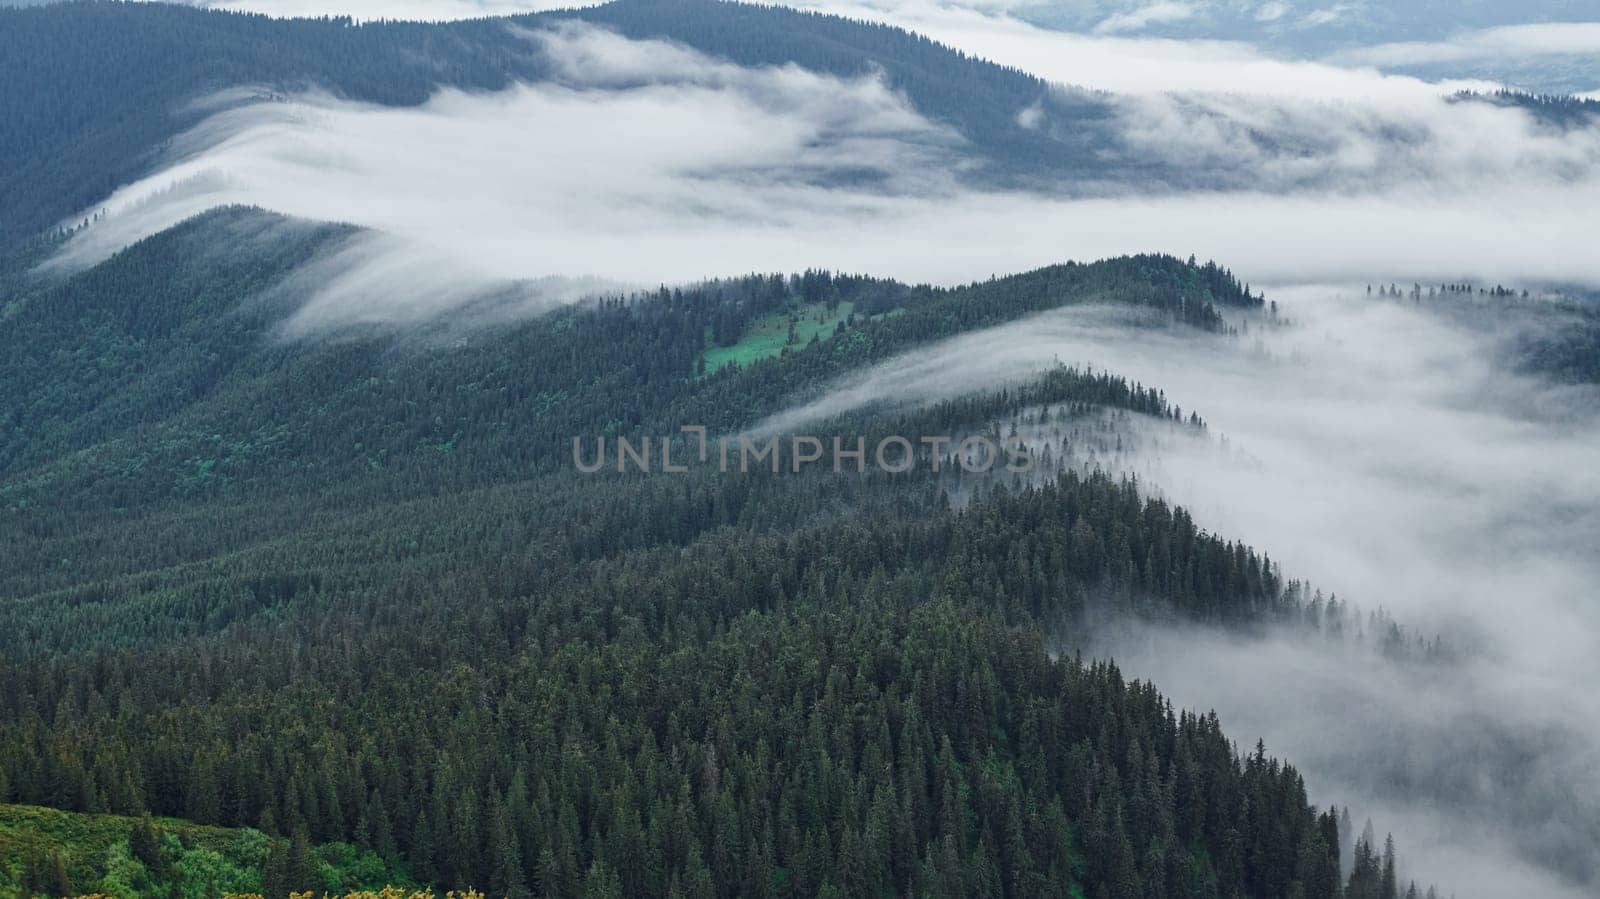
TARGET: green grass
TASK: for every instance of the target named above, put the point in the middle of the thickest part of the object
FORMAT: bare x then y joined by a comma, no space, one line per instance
95,846
770,334
202,860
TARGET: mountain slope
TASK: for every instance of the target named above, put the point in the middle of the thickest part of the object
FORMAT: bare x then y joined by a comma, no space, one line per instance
154,395
177,341
347,585
92,91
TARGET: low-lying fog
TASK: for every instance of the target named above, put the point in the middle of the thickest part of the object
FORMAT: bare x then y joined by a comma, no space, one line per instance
652,163
1375,448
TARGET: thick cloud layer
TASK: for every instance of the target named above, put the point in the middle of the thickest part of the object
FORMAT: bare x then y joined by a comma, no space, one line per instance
653,163
1128,63
645,157
1540,39
1381,451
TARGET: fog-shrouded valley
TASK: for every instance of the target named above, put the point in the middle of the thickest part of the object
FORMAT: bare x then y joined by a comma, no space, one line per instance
694,448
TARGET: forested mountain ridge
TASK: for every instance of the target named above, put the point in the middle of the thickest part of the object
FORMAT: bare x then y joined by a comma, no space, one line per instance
964,758
170,340
1555,109
93,90
534,725
155,388
420,633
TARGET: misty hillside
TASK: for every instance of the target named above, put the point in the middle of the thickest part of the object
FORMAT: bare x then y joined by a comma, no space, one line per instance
93,91
680,448
792,653
1559,110
196,393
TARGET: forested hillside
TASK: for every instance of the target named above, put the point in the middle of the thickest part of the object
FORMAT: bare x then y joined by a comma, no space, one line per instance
162,374
348,589
1554,109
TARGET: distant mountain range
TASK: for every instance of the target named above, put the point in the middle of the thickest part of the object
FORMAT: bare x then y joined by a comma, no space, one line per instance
1308,26
1435,39
93,91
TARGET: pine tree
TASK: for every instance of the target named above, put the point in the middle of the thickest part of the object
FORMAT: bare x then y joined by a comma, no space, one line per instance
601,882
422,850
144,844
275,882
505,870
1389,889
303,873
56,881
1366,875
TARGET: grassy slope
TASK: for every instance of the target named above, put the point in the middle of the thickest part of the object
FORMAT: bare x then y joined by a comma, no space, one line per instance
95,848
769,335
